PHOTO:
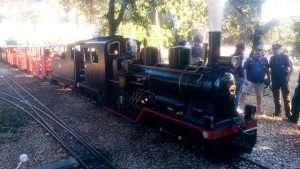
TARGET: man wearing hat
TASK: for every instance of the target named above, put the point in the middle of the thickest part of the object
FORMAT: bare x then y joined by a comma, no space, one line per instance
281,69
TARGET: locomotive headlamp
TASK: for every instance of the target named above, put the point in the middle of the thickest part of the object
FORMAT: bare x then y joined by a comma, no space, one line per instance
232,89
227,83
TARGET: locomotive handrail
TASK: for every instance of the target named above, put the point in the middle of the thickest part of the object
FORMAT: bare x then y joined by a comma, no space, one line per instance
171,69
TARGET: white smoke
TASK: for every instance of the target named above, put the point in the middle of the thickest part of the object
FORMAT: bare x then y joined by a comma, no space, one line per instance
215,14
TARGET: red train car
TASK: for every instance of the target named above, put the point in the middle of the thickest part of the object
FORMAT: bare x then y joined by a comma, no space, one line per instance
11,55
34,59
38,61
42,62
21,55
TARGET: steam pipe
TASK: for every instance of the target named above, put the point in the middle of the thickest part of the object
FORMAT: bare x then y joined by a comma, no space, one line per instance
214,45
215,15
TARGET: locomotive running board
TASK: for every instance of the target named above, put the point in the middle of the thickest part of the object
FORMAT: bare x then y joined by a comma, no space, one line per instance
207,134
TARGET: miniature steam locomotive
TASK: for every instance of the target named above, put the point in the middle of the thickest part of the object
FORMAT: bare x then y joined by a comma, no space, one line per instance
195,101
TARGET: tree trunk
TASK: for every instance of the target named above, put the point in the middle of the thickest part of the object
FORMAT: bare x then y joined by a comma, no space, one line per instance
113,22
112,29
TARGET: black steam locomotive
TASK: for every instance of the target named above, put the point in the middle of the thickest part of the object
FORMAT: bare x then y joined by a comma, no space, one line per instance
195,101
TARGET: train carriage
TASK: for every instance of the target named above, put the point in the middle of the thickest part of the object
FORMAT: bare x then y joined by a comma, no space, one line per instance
3,56
21,55
11,55
43,62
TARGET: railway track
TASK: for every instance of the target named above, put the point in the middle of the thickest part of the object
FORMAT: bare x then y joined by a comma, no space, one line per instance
242,162
253,162
86,154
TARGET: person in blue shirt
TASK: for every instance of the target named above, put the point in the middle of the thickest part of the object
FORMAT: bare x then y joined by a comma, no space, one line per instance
281,68
238,59
256,69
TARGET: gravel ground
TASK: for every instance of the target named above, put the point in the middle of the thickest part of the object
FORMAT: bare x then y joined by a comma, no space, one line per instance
137,146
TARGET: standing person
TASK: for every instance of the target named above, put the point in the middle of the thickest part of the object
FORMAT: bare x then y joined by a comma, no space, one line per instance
238,59
281,69
197,50
255,70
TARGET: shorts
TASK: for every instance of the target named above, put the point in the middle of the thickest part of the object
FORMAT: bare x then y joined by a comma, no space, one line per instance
258,88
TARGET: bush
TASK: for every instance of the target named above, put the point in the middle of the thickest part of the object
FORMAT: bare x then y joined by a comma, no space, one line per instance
296,50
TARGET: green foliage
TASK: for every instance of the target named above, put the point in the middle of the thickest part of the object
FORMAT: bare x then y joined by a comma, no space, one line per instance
241,19
190,16
155,36
142,15
161,21
296,49
282,33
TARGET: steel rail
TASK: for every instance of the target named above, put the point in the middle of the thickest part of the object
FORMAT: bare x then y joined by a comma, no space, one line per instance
51,131
253,162
61,123
51,115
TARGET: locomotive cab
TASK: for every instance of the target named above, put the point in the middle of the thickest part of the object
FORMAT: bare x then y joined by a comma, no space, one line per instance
92,63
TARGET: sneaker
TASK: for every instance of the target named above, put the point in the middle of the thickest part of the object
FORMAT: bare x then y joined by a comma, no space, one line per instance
293,120
285,119
276,115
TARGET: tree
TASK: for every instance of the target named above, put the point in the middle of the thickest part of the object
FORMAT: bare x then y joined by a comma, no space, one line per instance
115,14
241,19
184,17
296,49
141,13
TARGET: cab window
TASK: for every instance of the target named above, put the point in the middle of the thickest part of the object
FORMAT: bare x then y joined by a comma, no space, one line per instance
114,48
86,54
94,55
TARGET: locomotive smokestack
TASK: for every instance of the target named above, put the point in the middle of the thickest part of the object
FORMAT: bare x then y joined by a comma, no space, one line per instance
215,15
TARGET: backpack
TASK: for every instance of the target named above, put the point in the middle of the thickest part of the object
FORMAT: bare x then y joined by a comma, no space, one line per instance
256,68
